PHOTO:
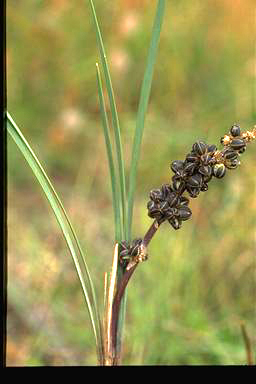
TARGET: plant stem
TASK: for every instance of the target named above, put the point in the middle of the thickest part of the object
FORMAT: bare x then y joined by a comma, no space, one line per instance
121,289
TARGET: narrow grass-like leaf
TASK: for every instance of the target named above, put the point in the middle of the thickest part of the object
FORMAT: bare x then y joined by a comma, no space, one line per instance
115,194
67,229
142,109
115,120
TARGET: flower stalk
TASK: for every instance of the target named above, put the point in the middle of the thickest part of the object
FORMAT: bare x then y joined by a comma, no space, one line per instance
168,203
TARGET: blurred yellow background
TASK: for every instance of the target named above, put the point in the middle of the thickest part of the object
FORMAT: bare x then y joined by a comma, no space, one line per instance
186,303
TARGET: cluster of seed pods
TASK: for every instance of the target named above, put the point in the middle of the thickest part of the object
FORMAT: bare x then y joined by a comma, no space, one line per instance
193,174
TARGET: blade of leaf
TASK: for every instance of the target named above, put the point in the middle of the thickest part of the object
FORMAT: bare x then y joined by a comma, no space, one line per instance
143,103
67,229
115,195
115,120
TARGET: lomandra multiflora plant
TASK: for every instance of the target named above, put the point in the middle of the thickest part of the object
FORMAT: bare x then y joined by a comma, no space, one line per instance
189,177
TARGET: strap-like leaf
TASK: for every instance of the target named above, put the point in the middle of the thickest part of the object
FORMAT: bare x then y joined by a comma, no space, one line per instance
143,103
66,227
115,120
115,195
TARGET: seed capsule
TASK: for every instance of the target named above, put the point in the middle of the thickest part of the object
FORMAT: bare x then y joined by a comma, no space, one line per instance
163,206
184,201
192,157
205,170
193,192
195,181
235,130
178,185
173,199
204,187
189,168
155,195
185,213
242,150
232,164
237,144
175,223
165,190
199,147
177,166
219,170
150,205
211,148
230,154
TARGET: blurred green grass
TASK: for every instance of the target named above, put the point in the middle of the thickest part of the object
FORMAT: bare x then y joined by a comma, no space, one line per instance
186,303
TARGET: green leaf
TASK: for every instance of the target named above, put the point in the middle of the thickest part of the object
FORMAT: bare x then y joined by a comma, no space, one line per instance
115,195
67,229
115,120
142,109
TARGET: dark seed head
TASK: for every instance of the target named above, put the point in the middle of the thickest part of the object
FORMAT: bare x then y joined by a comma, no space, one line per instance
237,144
235,130
192,157
219,170
199,147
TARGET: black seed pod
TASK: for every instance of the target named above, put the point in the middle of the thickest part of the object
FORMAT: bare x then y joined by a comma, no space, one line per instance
195,181
185,213
192,157
230,154
184,200
175,223
189,168
204,187
150,205
199,147
208,178
173,199
193,191
163,206
212,148
165,191
235,130
178,184
237,144
205,170
219,170
232,164
242,150
155,195
177,166
206,159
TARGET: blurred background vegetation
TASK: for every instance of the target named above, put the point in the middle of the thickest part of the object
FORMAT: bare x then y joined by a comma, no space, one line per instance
185,305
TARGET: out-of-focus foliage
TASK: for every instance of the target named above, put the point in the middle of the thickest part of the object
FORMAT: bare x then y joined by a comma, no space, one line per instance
186,303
